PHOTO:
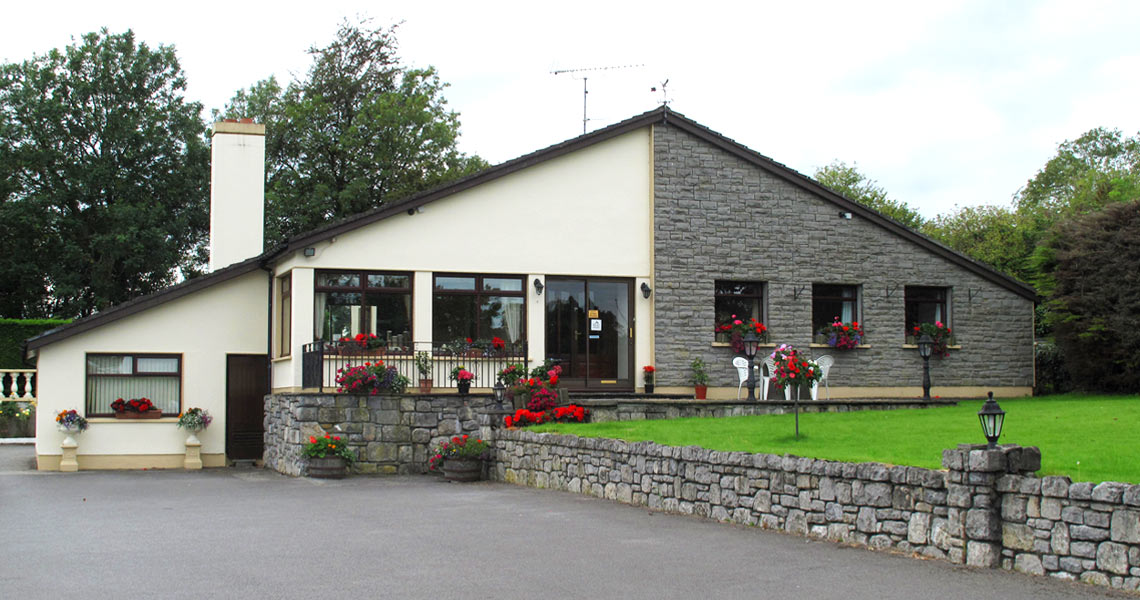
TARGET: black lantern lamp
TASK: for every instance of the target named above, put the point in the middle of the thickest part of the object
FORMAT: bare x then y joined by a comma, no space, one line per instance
925,347
500,390
538,286
751,343
992,418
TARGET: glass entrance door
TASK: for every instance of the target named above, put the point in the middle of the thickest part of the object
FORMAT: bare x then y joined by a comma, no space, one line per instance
589,331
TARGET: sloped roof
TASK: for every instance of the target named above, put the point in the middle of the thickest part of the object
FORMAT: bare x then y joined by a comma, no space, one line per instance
658,116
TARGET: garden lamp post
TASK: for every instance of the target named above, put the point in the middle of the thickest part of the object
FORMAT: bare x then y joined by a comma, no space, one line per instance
925,347
499,389
992,418
751,343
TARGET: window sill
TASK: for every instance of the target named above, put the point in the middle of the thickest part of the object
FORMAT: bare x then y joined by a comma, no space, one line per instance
114,420
859,347
915,347
282,358
729,345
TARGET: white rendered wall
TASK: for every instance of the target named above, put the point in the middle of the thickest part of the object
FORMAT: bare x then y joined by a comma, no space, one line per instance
587,213
227,318
237,193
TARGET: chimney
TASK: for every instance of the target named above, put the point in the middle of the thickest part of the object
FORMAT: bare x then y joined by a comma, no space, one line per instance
237,192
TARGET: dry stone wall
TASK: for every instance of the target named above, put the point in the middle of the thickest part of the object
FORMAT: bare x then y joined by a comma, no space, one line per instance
986,509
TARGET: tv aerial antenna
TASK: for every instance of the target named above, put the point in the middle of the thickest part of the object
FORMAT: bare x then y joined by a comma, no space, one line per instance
585,79
664,92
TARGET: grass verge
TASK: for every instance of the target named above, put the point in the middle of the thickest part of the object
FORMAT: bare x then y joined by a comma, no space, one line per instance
1088,438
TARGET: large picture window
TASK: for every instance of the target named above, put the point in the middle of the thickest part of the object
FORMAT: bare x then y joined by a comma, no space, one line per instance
830,302
133,376
925,305
347,303
745,299
480,307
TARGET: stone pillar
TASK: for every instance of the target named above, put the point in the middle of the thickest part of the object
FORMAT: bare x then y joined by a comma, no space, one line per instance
69,463
193,459
974,502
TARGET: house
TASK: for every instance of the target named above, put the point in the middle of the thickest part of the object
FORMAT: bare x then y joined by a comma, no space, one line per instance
620,248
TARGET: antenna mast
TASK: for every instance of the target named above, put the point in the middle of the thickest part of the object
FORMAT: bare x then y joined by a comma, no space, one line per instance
585,91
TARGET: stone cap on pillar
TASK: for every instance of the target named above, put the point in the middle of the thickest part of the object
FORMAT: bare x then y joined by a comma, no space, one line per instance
1006,458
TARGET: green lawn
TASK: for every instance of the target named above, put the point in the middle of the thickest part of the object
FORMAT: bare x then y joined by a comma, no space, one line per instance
1088,438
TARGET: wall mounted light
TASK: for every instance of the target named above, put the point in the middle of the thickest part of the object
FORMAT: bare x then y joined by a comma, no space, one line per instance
645,291
538,286
310,251
845,215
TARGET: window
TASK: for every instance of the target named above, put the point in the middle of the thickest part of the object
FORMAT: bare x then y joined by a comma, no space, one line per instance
480,307
830,302
285,315
925,305
132,376
745,299
348,303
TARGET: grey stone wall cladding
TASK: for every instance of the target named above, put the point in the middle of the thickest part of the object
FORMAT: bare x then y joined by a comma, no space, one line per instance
717,217
390,434
985,510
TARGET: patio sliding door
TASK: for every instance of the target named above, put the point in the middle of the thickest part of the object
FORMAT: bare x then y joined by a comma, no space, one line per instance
589,331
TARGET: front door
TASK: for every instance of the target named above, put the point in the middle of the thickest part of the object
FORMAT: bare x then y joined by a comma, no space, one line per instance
247,383
589,331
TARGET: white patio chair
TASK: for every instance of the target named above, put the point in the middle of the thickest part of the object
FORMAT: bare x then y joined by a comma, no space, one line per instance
741,365
825,362
767,369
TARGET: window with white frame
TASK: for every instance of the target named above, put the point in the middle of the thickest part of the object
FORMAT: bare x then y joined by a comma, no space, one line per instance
157,377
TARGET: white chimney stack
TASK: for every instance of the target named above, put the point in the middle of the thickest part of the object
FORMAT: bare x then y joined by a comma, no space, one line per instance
237,192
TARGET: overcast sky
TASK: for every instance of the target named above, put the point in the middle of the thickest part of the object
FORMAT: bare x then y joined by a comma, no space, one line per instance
943,103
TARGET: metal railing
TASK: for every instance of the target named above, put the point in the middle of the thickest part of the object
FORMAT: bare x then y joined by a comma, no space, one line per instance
321,360
18,384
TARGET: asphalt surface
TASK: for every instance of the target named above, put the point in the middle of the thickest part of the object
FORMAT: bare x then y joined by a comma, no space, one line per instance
251,533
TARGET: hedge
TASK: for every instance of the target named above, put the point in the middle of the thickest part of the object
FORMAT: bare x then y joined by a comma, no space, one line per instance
13,332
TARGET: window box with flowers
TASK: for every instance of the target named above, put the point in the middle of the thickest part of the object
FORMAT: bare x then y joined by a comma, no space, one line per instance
135,408
371,378
842,336
939,333
737,328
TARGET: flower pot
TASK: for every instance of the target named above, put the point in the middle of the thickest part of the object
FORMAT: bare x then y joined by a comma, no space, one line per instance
702,391
649,388
329,467
519,400
462,469
464,387
150,414
425,385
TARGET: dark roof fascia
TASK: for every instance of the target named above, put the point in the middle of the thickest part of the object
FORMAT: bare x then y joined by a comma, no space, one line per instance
791,175
475,179
126,309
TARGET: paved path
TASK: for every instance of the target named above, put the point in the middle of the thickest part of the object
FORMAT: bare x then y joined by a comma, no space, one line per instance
233,533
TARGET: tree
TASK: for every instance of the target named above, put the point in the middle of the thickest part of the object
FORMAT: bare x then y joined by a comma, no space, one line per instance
848,181
1095,298
104,171
359,130
997,236
1100,167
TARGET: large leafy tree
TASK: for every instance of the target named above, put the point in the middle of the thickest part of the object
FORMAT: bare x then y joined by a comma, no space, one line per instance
359,130
995,235
1094,296
848,181
103,177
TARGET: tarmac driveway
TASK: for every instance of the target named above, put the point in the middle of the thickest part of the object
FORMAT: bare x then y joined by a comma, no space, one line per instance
250,533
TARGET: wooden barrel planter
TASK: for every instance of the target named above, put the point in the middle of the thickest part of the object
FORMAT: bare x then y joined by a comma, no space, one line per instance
329,467
462,469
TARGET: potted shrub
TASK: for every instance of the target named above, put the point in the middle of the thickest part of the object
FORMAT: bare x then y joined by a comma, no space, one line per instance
460,458
329,458
510,377
423,365
649,372
135,408
463,379
699,378
793,369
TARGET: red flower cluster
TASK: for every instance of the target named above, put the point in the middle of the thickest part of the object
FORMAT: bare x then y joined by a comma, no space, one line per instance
364,340
524,417
939,333
649,369
842,335
458,447
139,405
498,343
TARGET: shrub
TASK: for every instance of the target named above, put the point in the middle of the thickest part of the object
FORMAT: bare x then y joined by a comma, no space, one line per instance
562,414
371,378
1052,377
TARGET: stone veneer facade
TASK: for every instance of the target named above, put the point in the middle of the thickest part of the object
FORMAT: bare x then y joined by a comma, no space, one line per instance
985,510
717,217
